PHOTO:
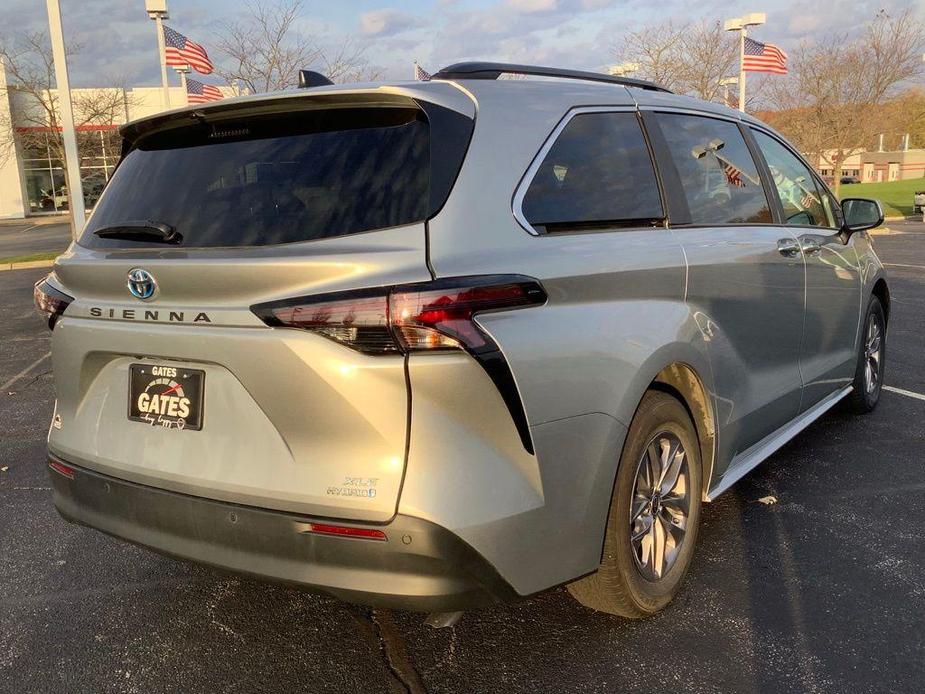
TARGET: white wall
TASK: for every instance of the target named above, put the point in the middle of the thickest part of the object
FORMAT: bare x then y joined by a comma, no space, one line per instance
12,204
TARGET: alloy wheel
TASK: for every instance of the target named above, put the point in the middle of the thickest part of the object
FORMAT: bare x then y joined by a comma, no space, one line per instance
661,505
872,351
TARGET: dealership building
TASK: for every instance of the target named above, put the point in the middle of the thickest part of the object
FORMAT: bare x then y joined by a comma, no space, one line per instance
32,180
878,166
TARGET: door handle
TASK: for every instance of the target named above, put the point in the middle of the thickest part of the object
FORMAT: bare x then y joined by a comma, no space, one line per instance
810,245
788,247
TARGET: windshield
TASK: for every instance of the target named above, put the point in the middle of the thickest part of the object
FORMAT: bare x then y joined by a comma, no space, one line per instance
271,180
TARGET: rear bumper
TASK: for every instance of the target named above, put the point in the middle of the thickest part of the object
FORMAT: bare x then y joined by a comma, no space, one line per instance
420,566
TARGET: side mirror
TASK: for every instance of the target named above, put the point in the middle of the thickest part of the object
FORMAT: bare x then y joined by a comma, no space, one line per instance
861,214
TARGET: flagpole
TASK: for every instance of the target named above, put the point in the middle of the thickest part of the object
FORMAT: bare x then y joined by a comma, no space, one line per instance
742,34
157,10
414,70
183,71
75,196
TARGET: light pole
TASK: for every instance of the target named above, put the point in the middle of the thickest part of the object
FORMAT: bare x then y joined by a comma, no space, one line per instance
157,10
75,194
724,83
623,69
741,25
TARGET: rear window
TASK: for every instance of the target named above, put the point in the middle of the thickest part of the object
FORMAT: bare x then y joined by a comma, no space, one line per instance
597,175
272,180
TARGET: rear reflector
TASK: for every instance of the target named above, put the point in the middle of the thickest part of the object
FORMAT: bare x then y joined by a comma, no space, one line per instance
62,469
345,531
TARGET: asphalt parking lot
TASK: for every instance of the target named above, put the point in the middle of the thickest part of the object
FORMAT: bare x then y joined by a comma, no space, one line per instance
810,574
24,238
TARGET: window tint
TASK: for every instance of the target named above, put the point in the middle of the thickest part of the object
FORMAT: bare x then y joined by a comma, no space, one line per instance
718,174
796,186
272,180
598,174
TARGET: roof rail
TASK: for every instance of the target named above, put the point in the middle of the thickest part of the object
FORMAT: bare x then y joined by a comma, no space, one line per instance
491,71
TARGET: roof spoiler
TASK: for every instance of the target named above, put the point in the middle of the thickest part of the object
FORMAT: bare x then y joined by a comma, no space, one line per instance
310,78
491,71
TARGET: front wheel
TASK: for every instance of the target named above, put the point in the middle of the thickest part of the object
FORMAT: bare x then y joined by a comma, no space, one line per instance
868,375
654,514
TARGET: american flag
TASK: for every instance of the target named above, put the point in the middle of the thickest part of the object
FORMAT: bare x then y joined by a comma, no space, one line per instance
808,200
181,51
199,93
733,175
420,74
764,57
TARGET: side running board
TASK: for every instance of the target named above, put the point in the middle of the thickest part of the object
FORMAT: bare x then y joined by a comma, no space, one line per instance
751,457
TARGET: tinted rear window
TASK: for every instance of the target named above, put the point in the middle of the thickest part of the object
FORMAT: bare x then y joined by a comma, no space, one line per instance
597,175
271,180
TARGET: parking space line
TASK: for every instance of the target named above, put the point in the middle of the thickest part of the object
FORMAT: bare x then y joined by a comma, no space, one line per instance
903,391
917,267
25,372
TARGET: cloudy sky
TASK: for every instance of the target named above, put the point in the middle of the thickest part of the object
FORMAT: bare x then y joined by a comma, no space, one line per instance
119,41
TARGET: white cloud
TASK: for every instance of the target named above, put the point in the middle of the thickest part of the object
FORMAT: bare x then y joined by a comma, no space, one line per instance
531,6
387,22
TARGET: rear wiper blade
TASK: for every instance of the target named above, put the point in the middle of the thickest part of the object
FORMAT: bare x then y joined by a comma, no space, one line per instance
140,230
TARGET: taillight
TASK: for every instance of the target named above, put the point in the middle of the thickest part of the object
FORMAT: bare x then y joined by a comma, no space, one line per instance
407,318
426,316
50,302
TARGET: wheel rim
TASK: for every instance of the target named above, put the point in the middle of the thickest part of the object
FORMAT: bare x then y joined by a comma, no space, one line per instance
872,352
661,505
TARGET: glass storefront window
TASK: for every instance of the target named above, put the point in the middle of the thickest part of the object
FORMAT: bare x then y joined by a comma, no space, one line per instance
45,180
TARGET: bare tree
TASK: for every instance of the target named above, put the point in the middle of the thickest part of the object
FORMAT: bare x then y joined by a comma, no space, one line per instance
30,75
348,63
685,58
265,50
832,103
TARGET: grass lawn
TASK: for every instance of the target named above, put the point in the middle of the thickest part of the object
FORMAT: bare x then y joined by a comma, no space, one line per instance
49,255
896,196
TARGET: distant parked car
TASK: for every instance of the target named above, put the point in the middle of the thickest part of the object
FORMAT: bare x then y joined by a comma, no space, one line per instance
918,201
850,179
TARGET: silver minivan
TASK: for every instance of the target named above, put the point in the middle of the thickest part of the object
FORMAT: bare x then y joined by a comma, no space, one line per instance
432,345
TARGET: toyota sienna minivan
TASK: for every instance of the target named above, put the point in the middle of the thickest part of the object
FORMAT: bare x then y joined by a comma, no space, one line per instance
432,345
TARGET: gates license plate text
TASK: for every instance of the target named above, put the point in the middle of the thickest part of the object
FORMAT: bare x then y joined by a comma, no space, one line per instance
166,396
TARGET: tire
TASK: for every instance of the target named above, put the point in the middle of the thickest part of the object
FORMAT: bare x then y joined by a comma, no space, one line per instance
626,584
865,393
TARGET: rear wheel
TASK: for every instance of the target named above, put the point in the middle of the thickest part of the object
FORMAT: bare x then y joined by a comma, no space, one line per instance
868,375
654,514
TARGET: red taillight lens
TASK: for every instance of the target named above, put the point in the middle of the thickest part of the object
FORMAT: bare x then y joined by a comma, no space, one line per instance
359,320
49,302
345,531
441,317
425,316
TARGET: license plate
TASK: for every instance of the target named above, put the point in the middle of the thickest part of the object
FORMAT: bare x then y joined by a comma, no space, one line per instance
166,396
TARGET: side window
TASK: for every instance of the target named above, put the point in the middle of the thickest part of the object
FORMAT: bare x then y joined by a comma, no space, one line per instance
718,175
802,200
597,175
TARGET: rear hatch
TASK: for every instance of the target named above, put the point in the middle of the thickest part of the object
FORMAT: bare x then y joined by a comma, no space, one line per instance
164,373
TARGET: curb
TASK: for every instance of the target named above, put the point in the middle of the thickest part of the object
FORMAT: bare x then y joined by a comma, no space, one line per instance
26,265
39,221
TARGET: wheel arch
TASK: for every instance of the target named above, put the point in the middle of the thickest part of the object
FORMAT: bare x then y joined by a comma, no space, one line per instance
882,292
681,381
